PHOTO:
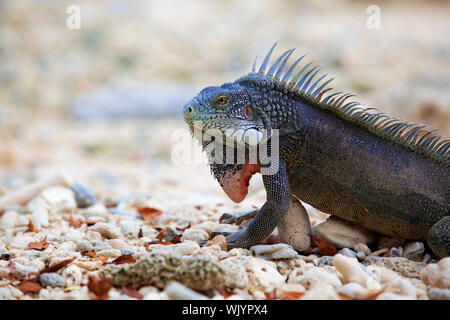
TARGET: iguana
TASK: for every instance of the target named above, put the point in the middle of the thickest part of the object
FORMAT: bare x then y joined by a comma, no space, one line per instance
385,174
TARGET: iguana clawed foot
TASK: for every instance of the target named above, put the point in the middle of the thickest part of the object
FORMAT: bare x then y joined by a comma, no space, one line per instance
227,218
234,239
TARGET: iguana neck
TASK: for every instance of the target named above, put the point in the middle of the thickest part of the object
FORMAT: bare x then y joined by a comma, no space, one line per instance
273,104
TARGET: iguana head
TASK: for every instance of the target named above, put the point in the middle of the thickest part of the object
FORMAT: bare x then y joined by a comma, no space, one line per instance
227,110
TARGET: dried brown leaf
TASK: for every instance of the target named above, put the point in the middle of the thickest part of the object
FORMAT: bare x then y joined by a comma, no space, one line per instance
181,229
42,245
31,227
99,287
161,233
28,286
125,258
132,293
324,248
177,239
76,224
147,213
12,278
58,266
88,253
292,295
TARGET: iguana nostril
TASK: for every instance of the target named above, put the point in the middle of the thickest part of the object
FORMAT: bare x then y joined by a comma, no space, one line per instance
190,109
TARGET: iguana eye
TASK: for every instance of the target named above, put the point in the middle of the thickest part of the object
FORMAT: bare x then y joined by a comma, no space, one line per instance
222,100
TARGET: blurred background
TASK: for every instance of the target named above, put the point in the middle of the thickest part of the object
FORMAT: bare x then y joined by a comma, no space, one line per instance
102,101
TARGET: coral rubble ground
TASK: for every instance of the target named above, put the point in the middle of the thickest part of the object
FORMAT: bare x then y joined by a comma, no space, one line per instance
100,209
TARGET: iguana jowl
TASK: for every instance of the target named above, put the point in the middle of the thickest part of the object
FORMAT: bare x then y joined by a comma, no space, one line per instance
385,174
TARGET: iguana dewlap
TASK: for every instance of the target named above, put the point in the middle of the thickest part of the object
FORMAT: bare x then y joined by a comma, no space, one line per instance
385,174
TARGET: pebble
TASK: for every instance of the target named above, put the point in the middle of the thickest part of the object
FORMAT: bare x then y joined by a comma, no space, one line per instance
177,291
219,240
73,275
10,291
51,280
123,213
89,265
93,235
59,198
403,266
21,271
108,230
274,251
83,196
171,233
128,229
310,276
323,261
352,272
342,234
39,217
385,275
83,245
360,255
295,228
37,203
208,226
437,274
117,243
439,294
97,210
321,292
288,287
9,219
362,247
23,220
394,252
414,251
355,291
403,290
127,251
250,272
348,252
196,235
110,253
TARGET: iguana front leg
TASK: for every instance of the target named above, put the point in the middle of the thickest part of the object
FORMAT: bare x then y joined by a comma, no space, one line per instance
439,237
270,214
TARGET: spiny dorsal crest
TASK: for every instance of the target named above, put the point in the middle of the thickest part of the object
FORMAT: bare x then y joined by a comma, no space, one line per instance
303,83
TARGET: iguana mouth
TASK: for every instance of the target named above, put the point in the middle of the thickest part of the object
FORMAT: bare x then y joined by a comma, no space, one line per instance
209,117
